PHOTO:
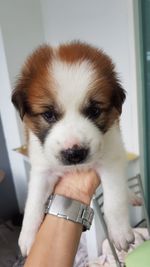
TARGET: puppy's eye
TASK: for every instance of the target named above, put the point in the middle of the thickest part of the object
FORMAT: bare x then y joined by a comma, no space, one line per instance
50,116
93,112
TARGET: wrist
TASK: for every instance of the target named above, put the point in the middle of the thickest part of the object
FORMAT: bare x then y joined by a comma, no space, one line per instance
70,209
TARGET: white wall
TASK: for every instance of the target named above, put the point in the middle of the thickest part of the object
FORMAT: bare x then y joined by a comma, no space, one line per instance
11,133
108,25
22,31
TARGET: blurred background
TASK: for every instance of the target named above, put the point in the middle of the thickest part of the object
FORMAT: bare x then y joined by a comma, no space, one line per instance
120,28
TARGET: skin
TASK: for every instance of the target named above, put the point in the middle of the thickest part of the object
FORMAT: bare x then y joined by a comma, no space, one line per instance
57,241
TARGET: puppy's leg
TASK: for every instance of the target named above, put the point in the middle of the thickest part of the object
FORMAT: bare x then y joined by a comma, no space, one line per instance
113,176
39,189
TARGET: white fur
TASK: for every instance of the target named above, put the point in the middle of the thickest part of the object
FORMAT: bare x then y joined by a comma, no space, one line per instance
107,157
72,81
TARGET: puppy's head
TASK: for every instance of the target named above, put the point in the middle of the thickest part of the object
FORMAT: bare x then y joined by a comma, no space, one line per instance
69,98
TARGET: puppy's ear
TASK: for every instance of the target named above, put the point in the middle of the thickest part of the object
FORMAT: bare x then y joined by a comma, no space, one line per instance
19,94
19,100
119,96
35,63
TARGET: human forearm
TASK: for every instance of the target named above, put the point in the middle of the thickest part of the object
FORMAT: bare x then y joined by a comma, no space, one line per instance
56,243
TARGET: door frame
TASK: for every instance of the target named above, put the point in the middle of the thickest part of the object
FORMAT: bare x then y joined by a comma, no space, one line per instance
141,97
145,97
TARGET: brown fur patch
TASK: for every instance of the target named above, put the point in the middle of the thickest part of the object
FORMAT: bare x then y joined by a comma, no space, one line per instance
33,80
77,51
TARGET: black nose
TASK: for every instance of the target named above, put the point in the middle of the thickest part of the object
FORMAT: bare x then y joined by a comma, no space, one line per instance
74,155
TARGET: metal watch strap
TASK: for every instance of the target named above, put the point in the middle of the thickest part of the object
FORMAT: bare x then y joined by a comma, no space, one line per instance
70,209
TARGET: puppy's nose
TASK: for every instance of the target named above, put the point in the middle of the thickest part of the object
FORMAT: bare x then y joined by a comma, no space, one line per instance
74,155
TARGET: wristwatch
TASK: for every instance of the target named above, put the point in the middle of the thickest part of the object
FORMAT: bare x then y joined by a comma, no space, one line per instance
70,209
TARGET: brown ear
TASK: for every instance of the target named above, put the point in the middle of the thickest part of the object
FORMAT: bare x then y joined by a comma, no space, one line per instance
19,101
35,63
119,96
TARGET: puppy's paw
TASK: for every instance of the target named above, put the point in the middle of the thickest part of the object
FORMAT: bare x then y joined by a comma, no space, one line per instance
122,236
25,242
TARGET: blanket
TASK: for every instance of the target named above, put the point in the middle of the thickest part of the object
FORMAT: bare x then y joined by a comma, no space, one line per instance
107,258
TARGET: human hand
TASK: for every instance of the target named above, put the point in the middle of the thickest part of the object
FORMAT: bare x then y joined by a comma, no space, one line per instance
78,185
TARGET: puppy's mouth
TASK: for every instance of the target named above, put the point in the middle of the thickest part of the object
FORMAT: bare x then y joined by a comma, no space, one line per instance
88,163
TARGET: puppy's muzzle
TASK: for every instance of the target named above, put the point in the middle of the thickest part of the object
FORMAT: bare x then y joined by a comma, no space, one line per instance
74,155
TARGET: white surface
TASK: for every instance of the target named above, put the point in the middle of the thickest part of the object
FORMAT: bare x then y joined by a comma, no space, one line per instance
108,25
22,30
11,133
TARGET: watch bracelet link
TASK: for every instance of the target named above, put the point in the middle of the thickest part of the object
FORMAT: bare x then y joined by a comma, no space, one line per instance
70,209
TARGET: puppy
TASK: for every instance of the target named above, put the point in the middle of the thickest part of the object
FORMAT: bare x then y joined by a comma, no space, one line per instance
70,100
